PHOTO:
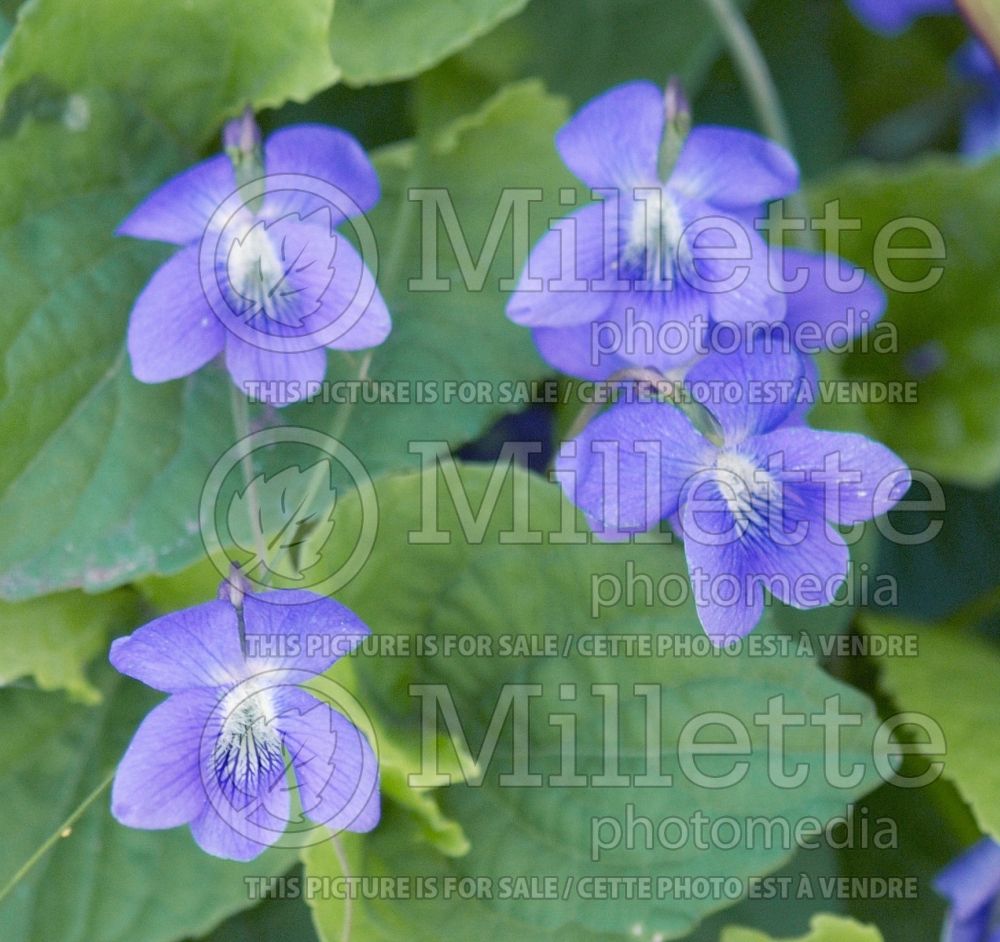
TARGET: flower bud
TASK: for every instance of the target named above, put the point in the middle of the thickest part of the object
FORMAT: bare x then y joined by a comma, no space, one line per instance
241,135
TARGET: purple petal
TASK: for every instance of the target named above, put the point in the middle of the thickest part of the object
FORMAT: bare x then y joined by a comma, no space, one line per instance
981,122
893,16
277,271
332,158
627,468
981,128
659,329
807,395
173,331
158,783
817,315
579,350
975,61
974,928
728,607
972,881
195,647
740,287
803,573
786,548
242,830
273,376
733,169
614,140
179,211
748,392
302,285
848,477
335,767
297,630
564,261
353,313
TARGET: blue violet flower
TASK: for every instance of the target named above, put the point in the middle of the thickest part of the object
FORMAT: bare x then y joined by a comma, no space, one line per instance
262,275
639,279
891,17
217,753
972,886
756,499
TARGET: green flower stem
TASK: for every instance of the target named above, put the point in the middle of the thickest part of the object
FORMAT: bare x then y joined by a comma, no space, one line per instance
241,423
345,869
759,84
60,832
241,420
319,479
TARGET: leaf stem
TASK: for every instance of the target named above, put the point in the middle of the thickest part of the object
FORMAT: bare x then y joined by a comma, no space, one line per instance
338,849
318,478
241,423
760,88
57,835
338,429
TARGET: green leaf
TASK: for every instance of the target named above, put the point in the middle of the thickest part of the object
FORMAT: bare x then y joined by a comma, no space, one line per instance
101,485
102,882
797,41
792,883
192,586
399,758
900,94
581,48
932,827
189,65
934,578
278,918
452,338
101,473
52,639
489,590
949,338
952,679
821,929
387,40
397,762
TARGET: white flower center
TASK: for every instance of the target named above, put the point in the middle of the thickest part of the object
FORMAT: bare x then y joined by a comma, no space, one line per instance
656,247
254,269
746,488
248,752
